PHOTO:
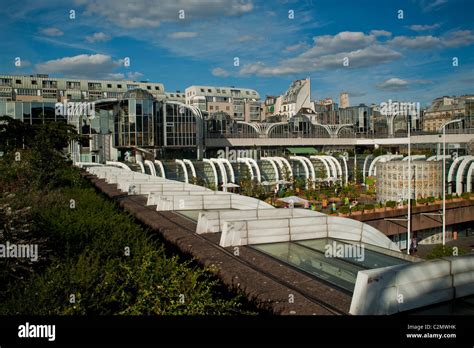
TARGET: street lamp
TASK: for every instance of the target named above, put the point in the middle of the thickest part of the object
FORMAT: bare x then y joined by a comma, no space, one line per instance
443,128
409,184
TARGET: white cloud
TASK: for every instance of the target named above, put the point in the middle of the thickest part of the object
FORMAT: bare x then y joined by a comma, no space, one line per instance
416,42
424,27
380,33
83,65
183,35
432,5
397,84
134,75
51,32
296,47
458,38
244,38
329,52
98,37
150,13
452,39
343,41
393,83
115,76
219,72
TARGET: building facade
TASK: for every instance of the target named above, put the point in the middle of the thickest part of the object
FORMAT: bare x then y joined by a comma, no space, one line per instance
241,104
344,100
296,97
42,88
393,180
444,109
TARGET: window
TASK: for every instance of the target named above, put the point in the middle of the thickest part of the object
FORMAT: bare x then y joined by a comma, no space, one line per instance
73,85
26,91
50,84
94,86
209,90
119,86
5,82
211,107
157,88
172,95
109,85
217,108
227,108
18,82
33,82
148,87
218,90
202,90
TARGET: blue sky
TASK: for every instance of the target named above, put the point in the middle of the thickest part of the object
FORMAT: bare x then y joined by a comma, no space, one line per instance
388,57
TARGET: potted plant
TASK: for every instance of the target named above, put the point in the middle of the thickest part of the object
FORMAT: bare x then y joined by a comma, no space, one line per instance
358,209
390,205
344,210
368,207
380,207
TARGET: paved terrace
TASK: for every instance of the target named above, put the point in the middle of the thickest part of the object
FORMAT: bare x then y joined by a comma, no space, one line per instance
415,139
273,256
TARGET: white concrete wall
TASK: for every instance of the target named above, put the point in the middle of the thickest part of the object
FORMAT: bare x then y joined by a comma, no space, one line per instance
213,221
299,228
400,288
208,201
154,197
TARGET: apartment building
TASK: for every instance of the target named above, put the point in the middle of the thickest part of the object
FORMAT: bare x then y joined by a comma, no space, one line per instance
296,97
444,109
241,104
42,88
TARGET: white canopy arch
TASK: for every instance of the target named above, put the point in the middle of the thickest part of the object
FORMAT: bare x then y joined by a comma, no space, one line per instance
185,169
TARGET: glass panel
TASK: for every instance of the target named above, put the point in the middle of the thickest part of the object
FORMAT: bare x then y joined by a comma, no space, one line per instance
19,111
49,112
26,113
11,109
37,113
3,109
367,258
332,270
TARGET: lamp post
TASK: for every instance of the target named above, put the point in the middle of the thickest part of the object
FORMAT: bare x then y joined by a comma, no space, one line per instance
443,128
409,186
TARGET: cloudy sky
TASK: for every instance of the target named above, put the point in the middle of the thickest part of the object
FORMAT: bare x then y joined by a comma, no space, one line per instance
375,50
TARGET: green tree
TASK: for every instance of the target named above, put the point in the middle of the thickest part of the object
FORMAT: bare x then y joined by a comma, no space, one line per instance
14,134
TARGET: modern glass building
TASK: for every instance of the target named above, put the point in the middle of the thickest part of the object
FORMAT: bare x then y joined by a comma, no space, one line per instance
137,120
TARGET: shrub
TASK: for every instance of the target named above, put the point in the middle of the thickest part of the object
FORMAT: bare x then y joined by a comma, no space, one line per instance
369,207
88,260
344,209
391,204
442,251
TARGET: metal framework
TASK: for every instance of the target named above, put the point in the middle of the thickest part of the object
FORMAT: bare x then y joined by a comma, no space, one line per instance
185,169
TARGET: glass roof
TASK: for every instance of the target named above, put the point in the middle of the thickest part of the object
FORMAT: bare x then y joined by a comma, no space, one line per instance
341,269
459,306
